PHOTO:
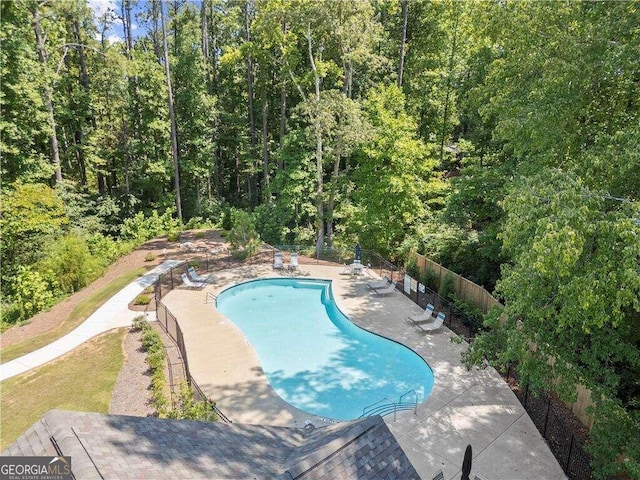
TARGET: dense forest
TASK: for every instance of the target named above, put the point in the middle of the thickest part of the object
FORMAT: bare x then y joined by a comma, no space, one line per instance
499,138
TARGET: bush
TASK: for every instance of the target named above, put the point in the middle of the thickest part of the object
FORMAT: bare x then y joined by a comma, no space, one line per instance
429,279
227,220
32,294
173,236
70,262
149,257
142,299
412,269
448,287
243,237
141,228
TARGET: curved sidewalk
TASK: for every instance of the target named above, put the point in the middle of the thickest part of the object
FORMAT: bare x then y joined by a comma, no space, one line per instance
113,313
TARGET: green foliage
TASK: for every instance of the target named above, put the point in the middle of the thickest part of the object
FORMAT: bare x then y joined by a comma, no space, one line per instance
149,257
141,228
615,441
227,220
448,287
31,293
142,299
411,267
187,408
70,262
30,215
243,237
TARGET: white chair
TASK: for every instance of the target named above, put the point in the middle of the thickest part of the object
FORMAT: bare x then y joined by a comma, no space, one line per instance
385,291
293,261
196,277
278,262
385,282
424,317
430,327
190,283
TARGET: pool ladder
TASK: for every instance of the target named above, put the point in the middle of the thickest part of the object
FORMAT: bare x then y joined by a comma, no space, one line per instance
210,298
385,406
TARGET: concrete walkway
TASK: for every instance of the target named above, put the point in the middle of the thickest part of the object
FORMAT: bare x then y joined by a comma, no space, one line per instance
113,313
465,407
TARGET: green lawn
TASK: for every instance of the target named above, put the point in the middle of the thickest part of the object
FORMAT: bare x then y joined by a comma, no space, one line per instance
81,380
80,313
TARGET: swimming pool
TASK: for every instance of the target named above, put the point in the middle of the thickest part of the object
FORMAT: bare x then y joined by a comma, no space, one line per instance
313,356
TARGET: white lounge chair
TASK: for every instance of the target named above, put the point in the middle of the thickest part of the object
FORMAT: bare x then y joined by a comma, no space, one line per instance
190,283
385,282
384,291
430,327
293,261
438,475
196,277
426,316
278,262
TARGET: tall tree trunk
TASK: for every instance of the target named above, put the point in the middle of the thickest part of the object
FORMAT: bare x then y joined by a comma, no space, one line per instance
155,32
403,45
84,81
126,8
250,80
172,116
318,135
332,200
48,94
283,107
445,114
265,153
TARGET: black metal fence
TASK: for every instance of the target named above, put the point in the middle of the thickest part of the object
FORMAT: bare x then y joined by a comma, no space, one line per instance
549,418
170,325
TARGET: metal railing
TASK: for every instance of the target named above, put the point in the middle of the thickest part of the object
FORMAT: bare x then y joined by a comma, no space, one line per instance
386,406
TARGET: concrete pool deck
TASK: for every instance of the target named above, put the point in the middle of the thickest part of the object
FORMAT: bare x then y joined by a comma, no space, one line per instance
465,407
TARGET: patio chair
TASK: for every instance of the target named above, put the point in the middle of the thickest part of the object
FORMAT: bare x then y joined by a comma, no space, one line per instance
191,271
438,475
385,282
293,261
190,283
385,291
424,317
430,327
278,262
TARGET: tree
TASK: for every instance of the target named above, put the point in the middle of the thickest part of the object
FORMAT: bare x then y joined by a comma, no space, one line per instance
576,249
172,116
394,175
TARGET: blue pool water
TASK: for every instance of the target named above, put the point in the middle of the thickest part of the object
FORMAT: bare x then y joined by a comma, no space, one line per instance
313,356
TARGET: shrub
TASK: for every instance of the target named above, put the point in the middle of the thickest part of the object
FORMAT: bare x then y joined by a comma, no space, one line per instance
32,294
448,287
149,257
173,236
138,323
142,299
227,220
412,269
71,263
243,237
429,279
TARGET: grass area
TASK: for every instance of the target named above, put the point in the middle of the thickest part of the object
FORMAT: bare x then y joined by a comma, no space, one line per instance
81,380
79,314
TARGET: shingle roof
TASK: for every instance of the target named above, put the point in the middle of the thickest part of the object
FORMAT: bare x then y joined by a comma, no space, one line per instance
118,446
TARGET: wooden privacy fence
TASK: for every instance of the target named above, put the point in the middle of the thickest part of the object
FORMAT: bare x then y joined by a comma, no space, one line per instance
465,289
